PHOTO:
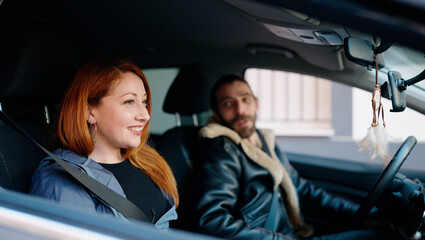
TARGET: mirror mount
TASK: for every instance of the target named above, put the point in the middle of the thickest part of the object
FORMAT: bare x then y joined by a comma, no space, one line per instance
383,46
418,78
362,52
395,86
394,89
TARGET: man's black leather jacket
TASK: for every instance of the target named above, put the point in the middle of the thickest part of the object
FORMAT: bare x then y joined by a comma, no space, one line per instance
235,194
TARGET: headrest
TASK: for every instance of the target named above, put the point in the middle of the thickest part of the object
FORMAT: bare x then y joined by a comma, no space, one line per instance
26,112
36,63
189,93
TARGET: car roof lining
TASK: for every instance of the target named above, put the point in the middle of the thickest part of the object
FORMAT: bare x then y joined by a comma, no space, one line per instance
61,35
103,34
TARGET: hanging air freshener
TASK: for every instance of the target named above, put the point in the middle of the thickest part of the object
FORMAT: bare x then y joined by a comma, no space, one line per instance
376,140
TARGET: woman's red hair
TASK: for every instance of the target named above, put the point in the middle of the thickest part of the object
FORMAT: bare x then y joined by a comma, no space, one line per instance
91,83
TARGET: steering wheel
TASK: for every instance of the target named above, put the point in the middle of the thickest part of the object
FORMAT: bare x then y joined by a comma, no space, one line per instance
385,180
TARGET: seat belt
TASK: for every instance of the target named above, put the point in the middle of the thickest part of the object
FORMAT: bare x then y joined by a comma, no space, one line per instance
271,218
115,200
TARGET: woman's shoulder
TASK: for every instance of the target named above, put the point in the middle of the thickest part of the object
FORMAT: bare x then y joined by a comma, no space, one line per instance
48,175
50,179
68,156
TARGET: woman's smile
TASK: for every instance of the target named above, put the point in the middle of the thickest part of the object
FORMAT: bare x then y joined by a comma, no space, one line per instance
137,130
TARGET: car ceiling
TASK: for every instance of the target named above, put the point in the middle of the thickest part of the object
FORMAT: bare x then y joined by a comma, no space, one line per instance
52,38
159,32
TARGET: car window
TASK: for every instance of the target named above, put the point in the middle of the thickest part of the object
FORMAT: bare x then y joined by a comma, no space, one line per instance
408,62
399,125
333,126
292,104
159,81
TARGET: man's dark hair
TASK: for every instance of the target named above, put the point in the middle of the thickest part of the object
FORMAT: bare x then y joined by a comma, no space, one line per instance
230,78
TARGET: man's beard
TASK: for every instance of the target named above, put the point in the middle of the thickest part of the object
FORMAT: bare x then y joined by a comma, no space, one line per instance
243,132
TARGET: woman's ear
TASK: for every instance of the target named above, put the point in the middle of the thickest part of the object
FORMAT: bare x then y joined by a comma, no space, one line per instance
89,116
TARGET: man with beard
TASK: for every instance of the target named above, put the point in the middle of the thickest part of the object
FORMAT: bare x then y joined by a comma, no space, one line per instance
246,187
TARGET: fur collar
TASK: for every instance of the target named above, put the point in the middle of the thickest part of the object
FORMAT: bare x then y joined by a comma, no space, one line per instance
272,164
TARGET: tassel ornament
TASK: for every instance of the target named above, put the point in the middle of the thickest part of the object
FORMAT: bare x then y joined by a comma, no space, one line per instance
376,141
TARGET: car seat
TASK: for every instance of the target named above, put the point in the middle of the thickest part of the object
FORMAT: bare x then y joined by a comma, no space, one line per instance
19,157
187,97
30,79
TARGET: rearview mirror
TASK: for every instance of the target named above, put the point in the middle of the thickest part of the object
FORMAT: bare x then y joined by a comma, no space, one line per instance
394,90
360,51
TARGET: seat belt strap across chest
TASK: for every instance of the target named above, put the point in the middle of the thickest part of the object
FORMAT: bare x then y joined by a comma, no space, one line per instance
271,218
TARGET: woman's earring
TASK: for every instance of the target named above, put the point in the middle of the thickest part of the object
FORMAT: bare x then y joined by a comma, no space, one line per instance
95,131
92,122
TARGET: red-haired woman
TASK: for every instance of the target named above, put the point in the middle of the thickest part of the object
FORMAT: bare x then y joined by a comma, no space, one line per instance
102,130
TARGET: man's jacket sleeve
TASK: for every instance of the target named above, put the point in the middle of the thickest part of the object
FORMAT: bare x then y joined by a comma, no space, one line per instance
316,200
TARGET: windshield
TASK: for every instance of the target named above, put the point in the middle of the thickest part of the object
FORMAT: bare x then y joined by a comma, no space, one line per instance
406,61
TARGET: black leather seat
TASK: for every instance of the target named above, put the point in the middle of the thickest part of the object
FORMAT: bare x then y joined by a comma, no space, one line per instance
19,156
187,96
30,78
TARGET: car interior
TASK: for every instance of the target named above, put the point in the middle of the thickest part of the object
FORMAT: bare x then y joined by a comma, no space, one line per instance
43,43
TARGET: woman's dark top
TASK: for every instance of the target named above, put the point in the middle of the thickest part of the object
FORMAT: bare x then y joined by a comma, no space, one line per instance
140,189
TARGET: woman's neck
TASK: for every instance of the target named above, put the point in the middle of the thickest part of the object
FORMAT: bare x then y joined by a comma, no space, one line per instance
106,155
